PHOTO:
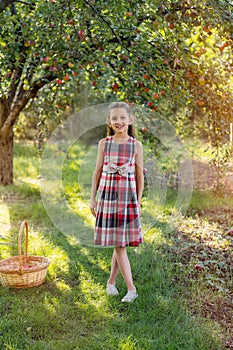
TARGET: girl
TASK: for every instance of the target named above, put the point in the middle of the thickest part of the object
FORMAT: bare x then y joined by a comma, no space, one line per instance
118,178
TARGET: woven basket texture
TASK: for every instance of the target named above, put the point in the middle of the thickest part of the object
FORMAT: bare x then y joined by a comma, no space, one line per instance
23,271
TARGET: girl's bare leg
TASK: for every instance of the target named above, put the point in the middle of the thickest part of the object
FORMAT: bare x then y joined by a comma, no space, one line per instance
114,270
123,264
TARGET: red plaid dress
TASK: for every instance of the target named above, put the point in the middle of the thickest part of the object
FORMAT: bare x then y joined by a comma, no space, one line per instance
117,213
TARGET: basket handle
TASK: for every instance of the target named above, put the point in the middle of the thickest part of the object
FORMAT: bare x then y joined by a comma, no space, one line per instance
23,224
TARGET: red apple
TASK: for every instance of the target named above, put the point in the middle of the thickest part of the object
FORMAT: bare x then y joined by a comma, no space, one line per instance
171,25
149,103
199,267
221,48
59,81
200,103
66,77
74,73
162,92
206,29
81,33
156,96
198,54
115,86
145,76
226,44
70,22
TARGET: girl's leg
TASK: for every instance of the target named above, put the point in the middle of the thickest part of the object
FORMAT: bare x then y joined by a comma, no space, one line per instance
114,270
124,265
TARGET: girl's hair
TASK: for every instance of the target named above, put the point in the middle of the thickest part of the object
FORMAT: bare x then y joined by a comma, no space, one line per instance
124,105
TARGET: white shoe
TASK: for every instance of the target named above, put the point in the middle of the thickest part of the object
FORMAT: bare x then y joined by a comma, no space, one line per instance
111,290
129,297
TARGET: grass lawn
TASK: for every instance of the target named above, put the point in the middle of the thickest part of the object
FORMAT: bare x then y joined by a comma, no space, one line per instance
71,309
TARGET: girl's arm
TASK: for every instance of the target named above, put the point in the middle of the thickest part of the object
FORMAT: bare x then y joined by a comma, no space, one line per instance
96,176
139,171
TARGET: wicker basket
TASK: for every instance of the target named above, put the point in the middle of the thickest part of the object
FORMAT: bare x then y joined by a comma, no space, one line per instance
23,271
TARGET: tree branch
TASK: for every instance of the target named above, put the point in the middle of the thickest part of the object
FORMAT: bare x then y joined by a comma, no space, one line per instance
104,20
22,99
18,65
5,3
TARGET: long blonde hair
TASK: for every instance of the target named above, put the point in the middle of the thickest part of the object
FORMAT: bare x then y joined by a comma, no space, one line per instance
124,105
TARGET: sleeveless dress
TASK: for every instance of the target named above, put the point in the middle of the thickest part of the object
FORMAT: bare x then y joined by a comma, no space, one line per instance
117,213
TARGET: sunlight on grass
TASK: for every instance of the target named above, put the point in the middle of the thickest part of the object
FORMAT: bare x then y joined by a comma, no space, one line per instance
83,210
62,286
71,309
4,220
39,245
23,168
128,343
51,305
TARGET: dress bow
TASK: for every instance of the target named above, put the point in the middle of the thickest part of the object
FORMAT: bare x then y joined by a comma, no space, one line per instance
121,169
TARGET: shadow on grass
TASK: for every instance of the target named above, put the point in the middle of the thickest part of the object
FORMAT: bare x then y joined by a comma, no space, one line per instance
71,310
71,313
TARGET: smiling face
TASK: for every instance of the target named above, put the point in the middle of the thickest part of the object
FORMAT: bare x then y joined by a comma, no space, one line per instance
119,120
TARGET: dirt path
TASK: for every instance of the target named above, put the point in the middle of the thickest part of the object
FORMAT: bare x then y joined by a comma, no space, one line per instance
205,245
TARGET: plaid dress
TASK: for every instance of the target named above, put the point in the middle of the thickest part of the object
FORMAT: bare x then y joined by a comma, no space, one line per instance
117,212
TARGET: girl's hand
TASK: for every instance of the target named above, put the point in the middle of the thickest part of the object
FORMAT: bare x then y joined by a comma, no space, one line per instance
93,205
140,209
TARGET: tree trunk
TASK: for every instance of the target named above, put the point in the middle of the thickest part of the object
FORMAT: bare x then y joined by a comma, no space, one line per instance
6,158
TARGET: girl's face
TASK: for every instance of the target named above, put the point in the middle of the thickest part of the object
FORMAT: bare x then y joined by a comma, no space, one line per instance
119,120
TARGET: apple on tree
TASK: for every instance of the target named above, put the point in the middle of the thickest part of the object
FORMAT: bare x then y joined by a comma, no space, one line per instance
115,86
59,81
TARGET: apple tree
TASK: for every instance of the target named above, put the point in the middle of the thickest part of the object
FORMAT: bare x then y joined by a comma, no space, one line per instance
139,52
46,43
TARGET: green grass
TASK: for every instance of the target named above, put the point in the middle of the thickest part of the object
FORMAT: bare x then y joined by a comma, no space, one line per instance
71,309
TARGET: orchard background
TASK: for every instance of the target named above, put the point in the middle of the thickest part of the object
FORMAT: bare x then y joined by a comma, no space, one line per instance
57,57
